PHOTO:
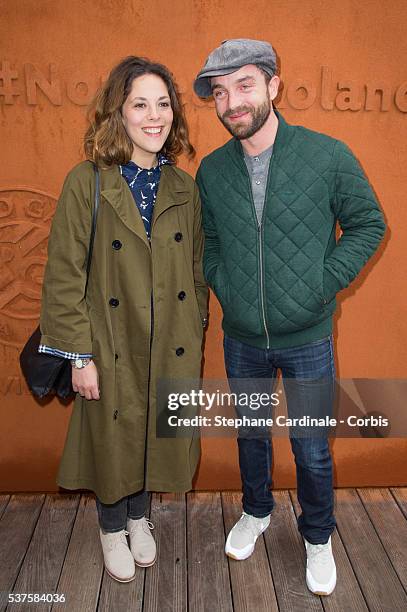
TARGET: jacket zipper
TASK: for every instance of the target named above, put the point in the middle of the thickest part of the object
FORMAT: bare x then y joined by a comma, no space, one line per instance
260,233
262,283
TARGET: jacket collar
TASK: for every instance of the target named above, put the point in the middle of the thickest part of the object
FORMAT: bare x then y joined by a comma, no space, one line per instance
172,191
284,133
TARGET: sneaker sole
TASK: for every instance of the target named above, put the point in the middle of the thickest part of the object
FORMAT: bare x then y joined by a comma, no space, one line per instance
139,564
232,556
318,590
120,579
248,554
322,593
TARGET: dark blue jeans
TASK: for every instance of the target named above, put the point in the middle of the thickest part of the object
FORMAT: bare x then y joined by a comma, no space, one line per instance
308,374
113,517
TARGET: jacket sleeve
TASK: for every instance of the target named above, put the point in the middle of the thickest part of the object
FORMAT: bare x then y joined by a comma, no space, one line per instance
211,256
64,320
201,288
360,218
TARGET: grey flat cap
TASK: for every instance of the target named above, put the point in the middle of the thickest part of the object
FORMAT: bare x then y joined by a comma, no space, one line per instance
232,55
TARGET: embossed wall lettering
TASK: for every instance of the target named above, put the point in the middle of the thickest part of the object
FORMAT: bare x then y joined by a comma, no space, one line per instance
344,94
31,84
51,87
7,76
25,217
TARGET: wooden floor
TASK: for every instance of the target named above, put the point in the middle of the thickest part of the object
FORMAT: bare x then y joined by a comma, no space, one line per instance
49,544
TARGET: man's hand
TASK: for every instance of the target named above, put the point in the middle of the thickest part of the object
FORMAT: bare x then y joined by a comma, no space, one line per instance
85,381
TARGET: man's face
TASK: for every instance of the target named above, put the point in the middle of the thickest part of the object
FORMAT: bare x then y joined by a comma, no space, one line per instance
243,100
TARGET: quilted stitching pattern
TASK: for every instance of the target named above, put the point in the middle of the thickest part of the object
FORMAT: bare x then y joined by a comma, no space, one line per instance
313,181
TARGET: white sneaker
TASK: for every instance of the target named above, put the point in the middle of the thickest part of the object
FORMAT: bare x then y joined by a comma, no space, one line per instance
321,568
242,537
142,544
119,562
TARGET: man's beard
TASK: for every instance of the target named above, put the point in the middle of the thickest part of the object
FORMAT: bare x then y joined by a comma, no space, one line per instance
260,114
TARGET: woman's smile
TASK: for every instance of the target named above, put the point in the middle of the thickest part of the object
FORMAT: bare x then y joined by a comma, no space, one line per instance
147,118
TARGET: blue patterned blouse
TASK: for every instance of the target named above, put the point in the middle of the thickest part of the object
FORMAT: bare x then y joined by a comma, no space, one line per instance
143,185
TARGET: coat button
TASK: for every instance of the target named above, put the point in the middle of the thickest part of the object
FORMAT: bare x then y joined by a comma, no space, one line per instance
178,237
182,295
116,244
179,351
114,302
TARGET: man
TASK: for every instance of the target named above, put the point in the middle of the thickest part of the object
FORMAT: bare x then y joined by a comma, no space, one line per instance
272,196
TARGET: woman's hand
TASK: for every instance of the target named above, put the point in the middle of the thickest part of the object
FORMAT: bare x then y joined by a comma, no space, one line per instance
85,381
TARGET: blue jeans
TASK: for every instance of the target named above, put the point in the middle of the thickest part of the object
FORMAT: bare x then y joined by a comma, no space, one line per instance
308,374
113,517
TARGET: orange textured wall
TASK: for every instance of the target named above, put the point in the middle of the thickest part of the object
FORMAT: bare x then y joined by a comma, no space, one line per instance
333,57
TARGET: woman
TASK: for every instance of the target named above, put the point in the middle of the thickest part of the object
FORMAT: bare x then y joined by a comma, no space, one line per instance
145,306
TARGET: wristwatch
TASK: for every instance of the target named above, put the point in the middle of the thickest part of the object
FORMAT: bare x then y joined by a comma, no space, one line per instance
78,364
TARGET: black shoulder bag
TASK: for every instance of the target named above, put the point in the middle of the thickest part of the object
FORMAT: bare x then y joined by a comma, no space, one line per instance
47,374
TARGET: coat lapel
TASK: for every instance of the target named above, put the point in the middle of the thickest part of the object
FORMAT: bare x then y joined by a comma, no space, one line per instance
117,193
172,191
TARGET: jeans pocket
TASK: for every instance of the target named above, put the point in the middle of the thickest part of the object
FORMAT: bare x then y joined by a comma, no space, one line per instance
318,342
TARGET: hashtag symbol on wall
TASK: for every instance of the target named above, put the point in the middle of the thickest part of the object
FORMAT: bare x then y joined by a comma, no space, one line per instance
7,76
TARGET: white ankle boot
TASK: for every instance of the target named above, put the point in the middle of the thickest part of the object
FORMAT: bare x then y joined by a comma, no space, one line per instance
142,544
119,562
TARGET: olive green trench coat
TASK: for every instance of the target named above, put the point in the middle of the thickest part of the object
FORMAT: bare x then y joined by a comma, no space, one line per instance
111,445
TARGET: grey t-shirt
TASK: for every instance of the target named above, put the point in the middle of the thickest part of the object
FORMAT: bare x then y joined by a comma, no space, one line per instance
258,167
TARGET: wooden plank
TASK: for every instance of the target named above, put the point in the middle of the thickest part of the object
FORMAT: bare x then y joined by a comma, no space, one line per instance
208,574
4,499
83,567
46,553
16,529
379,582
166,582
347,594
400,495
390,525
122,596
252,583
116,595
286,554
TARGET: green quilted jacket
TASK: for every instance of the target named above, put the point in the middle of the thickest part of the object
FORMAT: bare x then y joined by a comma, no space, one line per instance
277,282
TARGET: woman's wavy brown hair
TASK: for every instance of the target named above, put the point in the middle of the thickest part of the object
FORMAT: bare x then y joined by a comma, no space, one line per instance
106,141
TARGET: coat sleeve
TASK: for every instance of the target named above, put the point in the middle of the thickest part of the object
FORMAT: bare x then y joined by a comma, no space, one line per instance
201,288
360,218
64,318
211,255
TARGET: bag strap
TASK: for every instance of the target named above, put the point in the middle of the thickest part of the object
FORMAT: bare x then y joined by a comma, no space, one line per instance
94,221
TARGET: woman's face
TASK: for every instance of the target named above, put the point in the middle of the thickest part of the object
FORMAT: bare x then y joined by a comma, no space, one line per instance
147,117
